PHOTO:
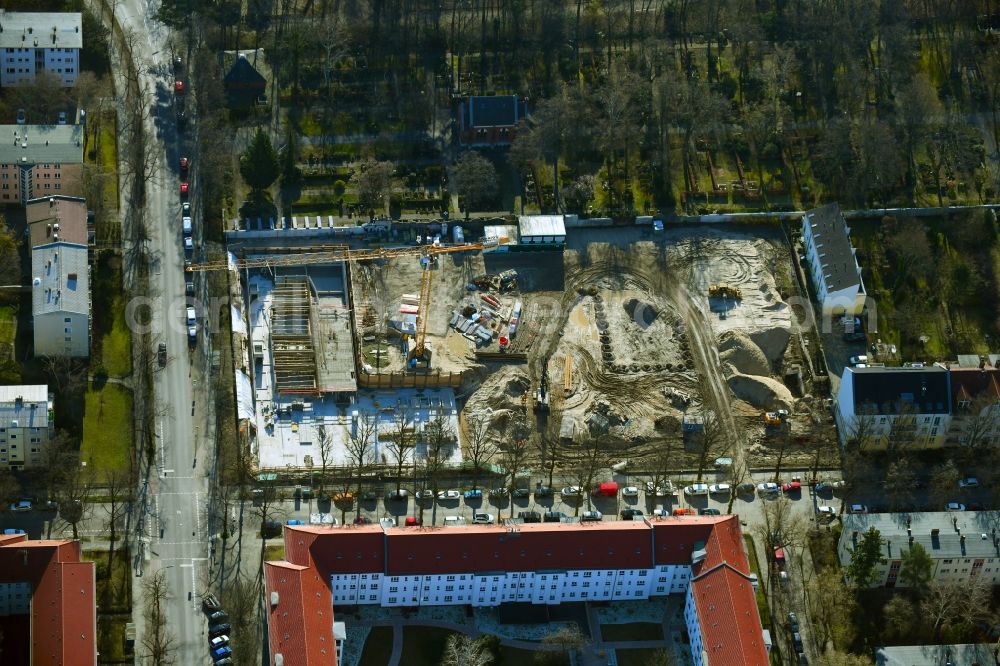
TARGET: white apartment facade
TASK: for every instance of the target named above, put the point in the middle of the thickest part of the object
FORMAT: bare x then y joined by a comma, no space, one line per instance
26,423
33,42
832,263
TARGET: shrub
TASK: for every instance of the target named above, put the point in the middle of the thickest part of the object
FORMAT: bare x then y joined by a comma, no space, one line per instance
339,187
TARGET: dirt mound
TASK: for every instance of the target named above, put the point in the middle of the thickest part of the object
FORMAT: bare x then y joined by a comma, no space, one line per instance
761,392
738,350
772,341
641,313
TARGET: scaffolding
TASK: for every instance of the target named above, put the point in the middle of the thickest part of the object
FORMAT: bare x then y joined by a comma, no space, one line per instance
293,321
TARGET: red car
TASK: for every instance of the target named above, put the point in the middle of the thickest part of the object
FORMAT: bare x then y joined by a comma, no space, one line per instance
791,487
184,164
412,521
184,189
179,87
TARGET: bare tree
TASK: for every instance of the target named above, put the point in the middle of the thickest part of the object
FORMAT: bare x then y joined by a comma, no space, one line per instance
464,650
902,429
591,457
513,458
361,447
401,444
158,642
710,442
480,448
831,605
950,603
978,422
118,493
900,480
862,430
781,527
325,443
944,482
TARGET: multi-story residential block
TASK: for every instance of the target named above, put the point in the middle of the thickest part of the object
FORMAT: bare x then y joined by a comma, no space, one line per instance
964,654
26,423
60,272
48,609
546,564
833,266
40,160
880,407
975,402
33,42
963,544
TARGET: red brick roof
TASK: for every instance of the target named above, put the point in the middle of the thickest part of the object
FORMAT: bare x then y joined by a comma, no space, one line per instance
970,383
531,547
63,607
301,630
300,625
730,625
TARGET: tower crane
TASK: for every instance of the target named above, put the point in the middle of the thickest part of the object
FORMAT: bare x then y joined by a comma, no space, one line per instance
428,254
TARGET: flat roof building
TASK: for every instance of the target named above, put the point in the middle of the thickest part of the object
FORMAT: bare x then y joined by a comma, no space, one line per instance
26,423
39,161
33,42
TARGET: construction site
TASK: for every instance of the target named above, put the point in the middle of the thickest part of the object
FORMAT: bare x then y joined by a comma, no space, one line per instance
628,337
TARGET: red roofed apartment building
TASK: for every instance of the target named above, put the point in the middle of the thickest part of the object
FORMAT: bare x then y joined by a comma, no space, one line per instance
540,563
48,611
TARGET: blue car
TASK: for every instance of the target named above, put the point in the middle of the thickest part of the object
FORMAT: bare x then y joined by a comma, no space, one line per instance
221,653
294,521
13,530
473,494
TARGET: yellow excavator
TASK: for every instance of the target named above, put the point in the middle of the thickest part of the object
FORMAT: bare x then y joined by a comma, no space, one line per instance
725,291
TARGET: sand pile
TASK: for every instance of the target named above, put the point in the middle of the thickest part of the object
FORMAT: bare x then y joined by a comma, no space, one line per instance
761,392
772,341
738,350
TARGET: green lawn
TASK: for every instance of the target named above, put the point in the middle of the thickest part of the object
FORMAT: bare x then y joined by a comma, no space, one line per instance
107,429
762,608
378,647
634,631
423,646
109,156
116,345
114,592
112,347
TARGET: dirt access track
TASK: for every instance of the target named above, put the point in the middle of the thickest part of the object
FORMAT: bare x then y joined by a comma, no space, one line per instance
646,345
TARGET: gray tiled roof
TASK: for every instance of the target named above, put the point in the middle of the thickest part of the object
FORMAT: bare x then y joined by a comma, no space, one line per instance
29,30
951,526
41,144
60,281
881,390
833,245
966,654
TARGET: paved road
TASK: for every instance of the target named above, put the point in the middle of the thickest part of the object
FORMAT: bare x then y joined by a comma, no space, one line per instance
176,529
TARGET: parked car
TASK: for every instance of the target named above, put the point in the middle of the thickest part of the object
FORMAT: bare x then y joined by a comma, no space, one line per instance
368,496
683,511
631,514
412,521
452,521
397,495
797,641
217,618
838,485
709,511
499,492
768,488
589,516
62,118
473,494
954,506
530,516
188,244
218,641
23,505
449,495
21,118
696,489
161,354
791,487
184,164
572,491
295,521
221,653
184,189
826,510
858,508
186,208
179,87
969,482
362,520
13,530
793,622
553,517
630,491
719,488
746,488
483,518
662,490
210,603
422,495
860,359
543,491
343,498
521,493
219,629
